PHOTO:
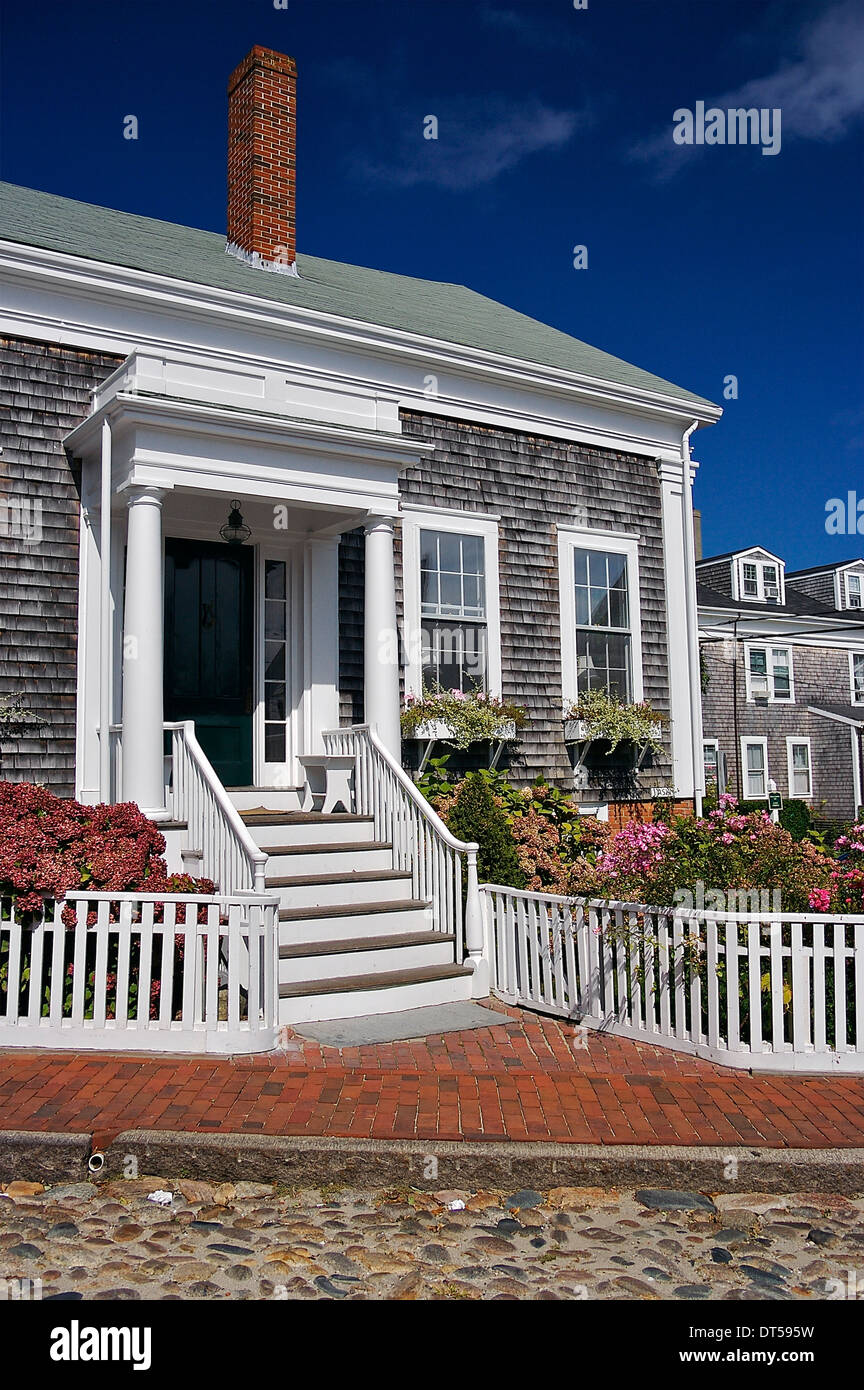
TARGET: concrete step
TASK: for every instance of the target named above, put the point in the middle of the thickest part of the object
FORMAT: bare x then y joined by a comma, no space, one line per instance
339,857
354,996
341,921
321,890
372,955
305,827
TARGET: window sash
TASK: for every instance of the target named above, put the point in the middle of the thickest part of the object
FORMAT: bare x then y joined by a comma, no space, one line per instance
455,655
853,590
756,770
800,773
774,680
452,575
858,675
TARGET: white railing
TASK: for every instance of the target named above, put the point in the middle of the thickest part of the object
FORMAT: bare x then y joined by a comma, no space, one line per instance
230,857
140,971
422,844
770,991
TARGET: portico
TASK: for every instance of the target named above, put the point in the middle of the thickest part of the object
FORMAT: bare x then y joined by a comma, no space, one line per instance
177,624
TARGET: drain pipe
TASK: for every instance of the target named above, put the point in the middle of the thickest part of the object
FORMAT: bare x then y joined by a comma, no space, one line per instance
105,652
692,620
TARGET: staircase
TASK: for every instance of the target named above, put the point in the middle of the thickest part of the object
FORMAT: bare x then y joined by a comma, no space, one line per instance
353,940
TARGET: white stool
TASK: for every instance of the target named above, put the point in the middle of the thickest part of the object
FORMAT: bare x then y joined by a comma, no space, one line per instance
328,780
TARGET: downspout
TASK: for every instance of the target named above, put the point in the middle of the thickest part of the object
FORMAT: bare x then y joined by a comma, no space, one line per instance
692,621
105,644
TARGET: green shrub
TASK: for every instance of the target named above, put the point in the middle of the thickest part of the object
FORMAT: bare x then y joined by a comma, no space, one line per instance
475,815
796,818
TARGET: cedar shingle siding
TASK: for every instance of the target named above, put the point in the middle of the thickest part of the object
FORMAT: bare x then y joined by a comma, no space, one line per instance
821,674
44,391
532,483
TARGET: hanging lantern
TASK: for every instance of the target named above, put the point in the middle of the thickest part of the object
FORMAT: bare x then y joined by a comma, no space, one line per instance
235,531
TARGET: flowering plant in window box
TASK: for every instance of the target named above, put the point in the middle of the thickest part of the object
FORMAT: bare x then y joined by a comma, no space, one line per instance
459,717
598,715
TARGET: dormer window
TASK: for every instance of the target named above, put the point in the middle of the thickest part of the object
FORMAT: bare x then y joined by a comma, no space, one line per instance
759,578
853,591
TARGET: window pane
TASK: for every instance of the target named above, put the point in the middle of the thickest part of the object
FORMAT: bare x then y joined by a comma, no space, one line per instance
454,655
599,607
617,571
274,743
274,699
274,618
472,554
580,564
429,550
274,661
274,579
755,757
449,552
780,665
758,662
618,616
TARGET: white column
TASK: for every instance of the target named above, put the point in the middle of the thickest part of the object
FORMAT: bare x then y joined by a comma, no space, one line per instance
320,640
678,655
143,776
381,642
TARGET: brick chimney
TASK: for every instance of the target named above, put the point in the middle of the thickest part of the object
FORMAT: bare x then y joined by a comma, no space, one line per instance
262,112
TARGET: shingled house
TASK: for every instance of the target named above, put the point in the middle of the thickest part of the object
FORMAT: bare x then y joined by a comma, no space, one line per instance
783,659
255,468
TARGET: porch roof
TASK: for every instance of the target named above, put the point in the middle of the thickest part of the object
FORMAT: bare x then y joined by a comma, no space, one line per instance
449,312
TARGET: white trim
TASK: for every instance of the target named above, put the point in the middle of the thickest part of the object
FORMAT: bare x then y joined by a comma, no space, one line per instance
745,741
571,538
791,740
855,742
494,517
855,700
760,558
464,524
768,647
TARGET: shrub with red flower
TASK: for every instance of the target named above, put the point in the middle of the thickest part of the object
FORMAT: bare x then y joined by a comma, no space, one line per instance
49,846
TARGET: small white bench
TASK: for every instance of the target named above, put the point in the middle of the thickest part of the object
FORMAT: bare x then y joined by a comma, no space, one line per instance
328,782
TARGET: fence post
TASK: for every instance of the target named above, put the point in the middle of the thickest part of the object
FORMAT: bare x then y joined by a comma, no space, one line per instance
474,928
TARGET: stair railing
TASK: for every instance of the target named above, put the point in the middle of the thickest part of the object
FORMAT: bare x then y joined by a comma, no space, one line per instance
422,844
229,855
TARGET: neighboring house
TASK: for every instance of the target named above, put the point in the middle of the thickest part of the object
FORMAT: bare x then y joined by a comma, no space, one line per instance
783,666
435,487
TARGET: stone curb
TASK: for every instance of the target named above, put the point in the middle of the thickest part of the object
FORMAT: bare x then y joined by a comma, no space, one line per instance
305,1161
43,1156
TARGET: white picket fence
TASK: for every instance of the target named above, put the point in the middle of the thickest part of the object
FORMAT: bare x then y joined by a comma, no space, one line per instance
126,980
767,991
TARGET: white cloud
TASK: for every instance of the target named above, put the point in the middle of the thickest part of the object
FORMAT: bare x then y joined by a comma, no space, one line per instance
477,141
820,92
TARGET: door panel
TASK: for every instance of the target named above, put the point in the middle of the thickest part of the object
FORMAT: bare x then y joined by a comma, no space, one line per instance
209,597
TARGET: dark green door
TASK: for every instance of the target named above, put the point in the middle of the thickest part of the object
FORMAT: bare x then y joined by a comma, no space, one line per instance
209,648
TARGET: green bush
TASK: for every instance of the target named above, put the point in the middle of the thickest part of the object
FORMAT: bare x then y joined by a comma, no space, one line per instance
475,815
796,818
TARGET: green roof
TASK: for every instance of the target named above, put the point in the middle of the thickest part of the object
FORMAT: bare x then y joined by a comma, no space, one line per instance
432,308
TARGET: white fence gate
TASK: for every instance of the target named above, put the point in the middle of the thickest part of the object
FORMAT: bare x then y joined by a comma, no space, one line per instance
768,991
141,971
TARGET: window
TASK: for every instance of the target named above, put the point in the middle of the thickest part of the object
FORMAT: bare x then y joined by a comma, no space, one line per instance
760,581
275,660
798,757
769,673
452,628
755,760
600,620
711,760
453,610
856,663
853,591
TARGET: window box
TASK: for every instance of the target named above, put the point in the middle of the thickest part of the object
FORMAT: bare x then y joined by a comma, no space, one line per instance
439,730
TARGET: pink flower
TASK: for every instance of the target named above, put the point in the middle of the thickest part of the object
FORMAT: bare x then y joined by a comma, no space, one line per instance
819,899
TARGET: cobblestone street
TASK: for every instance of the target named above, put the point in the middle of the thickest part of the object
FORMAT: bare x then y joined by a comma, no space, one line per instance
254,1241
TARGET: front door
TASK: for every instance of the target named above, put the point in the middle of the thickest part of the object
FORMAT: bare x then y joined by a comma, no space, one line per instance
209,644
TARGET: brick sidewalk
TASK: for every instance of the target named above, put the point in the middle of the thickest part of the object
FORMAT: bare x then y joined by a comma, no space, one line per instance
525,1079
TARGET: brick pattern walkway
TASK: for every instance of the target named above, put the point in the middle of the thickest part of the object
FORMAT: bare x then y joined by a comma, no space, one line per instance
525,1079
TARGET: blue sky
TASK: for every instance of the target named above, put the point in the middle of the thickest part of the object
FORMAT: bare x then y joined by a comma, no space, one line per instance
555,129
